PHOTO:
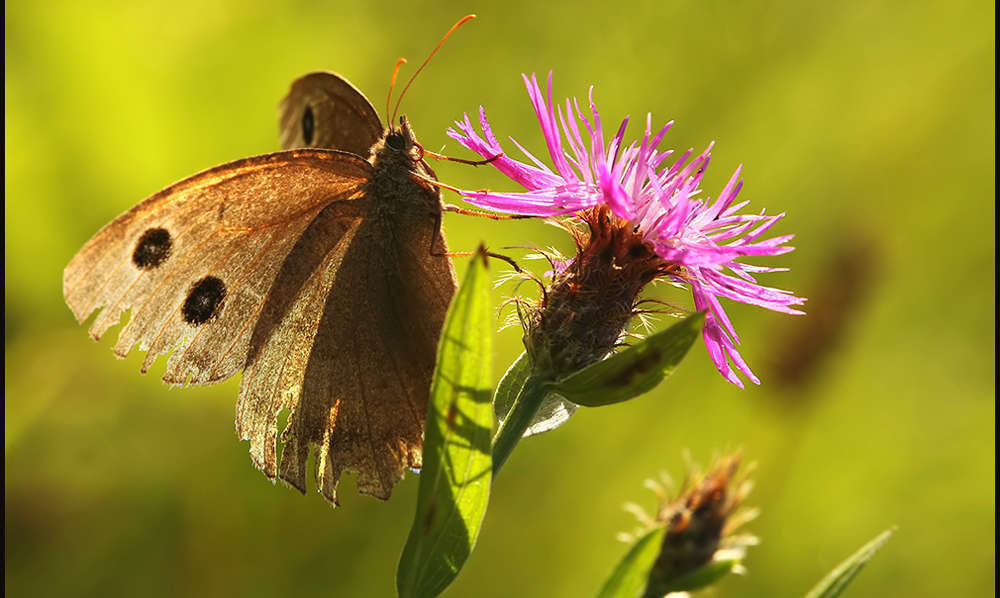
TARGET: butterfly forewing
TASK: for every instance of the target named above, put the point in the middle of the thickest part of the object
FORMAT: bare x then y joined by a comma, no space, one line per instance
323,109
195,262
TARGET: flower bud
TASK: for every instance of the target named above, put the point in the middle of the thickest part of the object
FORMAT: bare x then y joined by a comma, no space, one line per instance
699,542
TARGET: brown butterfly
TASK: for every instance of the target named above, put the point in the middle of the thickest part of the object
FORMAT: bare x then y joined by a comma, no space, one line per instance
321,273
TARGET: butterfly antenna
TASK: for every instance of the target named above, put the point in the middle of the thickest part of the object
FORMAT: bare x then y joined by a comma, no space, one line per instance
392,85
460,22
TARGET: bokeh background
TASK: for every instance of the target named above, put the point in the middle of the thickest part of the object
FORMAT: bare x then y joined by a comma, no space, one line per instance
871,123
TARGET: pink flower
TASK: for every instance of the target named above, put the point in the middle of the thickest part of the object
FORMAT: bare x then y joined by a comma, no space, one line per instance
699,240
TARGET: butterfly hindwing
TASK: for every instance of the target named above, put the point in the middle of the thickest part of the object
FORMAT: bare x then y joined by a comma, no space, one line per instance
322,109
195,262
392,367
357,395
284,334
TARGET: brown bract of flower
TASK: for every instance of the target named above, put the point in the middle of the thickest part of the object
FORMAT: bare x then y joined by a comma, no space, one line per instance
587,306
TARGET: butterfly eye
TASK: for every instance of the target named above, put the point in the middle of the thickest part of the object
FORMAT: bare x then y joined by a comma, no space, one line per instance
308,125
395,141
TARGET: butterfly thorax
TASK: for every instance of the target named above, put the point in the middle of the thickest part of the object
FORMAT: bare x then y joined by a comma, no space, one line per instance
399,177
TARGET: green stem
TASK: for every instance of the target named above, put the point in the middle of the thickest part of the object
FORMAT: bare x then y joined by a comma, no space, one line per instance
518,419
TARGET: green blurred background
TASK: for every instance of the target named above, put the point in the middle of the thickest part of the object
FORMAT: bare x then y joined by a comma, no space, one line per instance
872,124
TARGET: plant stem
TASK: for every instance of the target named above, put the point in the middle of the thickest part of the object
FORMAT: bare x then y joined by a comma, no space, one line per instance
518,419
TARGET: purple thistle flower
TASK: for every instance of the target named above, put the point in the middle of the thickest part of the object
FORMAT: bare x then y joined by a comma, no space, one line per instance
698,240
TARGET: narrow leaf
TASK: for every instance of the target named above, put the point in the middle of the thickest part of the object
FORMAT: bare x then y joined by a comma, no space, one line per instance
456,475
635,370
835,582
552,413
631,575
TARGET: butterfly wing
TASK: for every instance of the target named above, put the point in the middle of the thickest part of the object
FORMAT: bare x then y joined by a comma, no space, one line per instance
353,364
195,262
323,109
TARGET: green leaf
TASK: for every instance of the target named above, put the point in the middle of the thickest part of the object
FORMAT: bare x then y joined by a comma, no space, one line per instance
510,386
635,370
455,481
631,575
835,582
704,576
552,413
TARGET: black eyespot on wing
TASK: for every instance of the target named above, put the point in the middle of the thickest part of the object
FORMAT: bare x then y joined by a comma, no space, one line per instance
308,125
203,300
152,249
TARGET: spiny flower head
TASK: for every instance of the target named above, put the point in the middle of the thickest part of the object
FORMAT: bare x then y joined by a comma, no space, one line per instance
701,522
655,199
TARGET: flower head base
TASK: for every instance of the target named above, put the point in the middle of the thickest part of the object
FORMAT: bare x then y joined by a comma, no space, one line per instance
591,298
696,241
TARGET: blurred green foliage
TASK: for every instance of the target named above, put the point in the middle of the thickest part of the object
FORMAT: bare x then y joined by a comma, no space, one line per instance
870,123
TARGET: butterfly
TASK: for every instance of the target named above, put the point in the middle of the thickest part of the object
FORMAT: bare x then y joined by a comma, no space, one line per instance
319,271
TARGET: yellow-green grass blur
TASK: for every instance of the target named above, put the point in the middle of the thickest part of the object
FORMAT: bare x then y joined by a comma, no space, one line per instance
871,123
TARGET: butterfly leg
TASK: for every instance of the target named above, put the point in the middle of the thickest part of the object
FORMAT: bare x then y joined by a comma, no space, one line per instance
453,208
438,156
437,228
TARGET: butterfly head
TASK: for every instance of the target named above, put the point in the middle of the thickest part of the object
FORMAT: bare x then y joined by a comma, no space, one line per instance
402,141
399,167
